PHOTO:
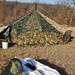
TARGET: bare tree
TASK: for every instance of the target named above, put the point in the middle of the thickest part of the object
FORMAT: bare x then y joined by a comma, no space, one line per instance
67,9
72,5
4,12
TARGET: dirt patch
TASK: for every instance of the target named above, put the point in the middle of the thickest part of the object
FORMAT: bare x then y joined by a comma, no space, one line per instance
60,57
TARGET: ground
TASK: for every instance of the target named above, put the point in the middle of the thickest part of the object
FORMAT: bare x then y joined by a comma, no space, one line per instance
60,57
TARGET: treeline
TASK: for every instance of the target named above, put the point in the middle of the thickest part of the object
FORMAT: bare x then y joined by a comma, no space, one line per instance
12,10
60,13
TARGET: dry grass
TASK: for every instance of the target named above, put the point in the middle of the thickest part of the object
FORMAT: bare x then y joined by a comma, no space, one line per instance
60,57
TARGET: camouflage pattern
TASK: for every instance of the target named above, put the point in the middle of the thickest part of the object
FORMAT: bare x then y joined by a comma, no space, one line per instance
59,27
35,21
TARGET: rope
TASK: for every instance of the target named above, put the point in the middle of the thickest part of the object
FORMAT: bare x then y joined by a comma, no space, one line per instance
47,13
20,18
23,16
44,10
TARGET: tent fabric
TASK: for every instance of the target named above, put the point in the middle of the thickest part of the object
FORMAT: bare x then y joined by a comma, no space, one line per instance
34,21
12,23
31,21
28,66
3,28
7,32
41,69
59,27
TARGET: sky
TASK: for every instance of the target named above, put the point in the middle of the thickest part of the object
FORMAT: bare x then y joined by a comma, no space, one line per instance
42,1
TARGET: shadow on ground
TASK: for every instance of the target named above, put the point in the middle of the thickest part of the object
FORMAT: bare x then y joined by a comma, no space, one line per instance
11,44
71,38
59,69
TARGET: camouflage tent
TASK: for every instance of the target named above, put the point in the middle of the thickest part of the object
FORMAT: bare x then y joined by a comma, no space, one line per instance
34,28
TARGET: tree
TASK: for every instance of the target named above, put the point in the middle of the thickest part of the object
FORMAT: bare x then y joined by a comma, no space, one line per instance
72,5
67,10
4,11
